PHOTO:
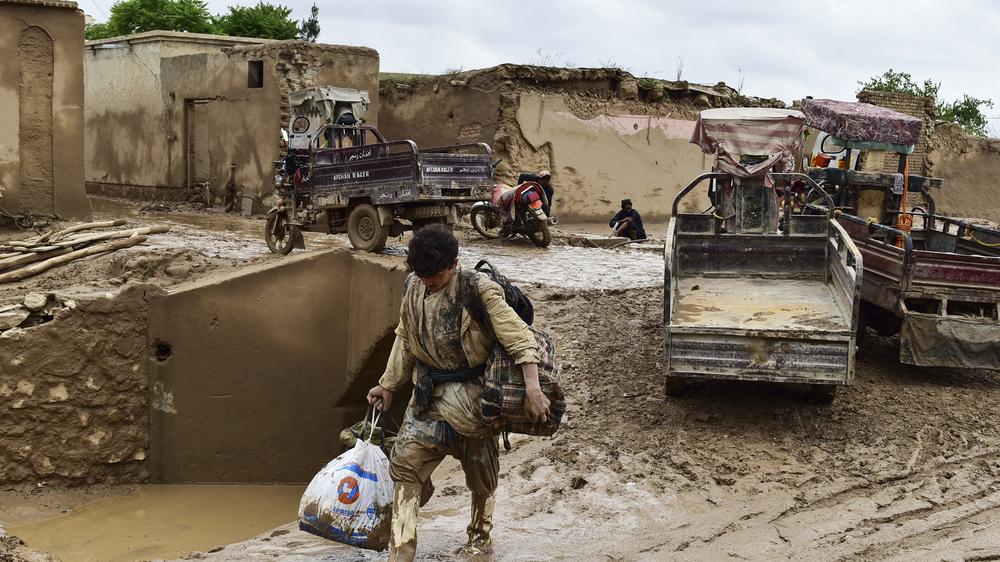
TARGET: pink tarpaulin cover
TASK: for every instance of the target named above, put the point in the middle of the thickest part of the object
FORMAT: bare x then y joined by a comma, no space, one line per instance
731,132
850,121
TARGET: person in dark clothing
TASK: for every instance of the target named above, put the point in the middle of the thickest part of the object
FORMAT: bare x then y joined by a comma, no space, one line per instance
346,117
627,222
544,179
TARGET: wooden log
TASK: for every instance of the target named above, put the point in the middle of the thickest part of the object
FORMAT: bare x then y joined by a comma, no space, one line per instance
86,239
48,264
26,258
54,236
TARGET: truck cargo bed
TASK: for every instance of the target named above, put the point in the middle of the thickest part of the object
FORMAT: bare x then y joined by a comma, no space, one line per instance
767,304
769,307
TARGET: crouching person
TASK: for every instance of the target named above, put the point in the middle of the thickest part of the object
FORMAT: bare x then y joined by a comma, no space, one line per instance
443,350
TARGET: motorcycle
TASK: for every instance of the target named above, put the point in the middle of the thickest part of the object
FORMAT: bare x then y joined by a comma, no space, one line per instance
513,212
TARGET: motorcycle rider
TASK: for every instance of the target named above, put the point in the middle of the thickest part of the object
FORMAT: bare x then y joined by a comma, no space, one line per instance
544,179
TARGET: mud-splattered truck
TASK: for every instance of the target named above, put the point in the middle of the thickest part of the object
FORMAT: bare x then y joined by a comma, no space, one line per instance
343,176
751,290
931,278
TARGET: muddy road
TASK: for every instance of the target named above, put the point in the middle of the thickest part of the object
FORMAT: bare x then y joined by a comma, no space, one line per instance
903,465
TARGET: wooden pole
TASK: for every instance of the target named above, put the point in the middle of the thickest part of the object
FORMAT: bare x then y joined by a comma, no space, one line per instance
26,258
48,264
76,228
87,238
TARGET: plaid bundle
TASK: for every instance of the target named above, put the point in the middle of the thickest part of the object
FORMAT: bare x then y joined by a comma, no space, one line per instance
504,391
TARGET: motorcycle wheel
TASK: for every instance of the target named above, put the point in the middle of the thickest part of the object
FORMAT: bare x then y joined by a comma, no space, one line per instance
540,235
486,220
278,234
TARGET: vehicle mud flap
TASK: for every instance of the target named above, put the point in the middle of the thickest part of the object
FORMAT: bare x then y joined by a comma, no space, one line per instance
930,340
298,242
385,216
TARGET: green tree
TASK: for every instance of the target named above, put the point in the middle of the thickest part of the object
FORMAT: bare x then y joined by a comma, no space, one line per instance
137,16
309,28
98,31
967,112
266,21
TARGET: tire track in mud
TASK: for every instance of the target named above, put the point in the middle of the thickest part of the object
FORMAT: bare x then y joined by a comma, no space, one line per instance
768,476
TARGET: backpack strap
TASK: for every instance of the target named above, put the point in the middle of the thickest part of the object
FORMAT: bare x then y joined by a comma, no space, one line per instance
473,301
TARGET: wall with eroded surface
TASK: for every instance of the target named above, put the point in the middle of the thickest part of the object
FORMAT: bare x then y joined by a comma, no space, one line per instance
41,109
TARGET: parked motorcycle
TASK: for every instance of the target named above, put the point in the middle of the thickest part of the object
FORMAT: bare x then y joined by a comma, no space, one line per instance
513,212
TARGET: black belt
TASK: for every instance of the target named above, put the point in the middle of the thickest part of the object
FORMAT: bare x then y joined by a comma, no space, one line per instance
427,377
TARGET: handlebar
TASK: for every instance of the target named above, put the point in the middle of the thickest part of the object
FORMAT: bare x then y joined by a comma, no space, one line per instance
812,183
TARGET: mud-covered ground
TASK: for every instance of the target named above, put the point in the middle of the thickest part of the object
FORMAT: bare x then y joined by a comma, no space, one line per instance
199,242
904,465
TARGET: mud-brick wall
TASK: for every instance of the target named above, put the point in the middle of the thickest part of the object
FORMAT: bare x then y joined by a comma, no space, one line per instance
41,109
922,107
157,126
299,65
601,139
73,405
970,167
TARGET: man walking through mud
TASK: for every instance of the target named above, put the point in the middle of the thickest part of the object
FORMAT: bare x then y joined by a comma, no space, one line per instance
444,350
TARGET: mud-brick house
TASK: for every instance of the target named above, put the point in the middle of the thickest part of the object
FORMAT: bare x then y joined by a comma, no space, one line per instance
41,109
604,134
172,116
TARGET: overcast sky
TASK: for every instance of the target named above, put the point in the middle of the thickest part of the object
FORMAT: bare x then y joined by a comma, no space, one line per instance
784,49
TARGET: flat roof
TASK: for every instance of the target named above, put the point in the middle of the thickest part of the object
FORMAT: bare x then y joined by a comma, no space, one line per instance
178,37
46,3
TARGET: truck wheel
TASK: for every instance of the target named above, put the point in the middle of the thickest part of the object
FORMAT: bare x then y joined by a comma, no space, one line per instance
675,386
279,236
365,230
486,220
540,235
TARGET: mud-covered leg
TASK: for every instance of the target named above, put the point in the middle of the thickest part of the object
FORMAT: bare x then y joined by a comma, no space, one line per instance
481,523
481,463
417,452
403,543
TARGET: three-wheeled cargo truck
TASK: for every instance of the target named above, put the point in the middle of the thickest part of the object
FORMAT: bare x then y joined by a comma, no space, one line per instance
743,298
932,279
340,175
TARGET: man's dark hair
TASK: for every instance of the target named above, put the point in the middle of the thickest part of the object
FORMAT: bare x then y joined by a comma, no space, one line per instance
433,249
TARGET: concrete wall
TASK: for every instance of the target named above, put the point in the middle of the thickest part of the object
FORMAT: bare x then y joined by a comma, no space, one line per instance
41,109
158,124
259,372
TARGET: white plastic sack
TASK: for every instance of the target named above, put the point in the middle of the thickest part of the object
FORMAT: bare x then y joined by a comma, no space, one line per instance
350,500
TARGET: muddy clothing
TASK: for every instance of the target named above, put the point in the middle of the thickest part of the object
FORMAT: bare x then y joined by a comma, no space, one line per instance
436,331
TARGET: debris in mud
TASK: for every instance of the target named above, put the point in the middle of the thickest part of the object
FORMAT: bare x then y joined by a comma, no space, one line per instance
20,259
578,482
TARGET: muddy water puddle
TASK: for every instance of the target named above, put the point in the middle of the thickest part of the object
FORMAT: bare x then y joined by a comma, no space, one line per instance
162,521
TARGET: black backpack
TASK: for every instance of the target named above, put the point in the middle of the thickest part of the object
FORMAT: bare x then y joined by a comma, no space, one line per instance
512,294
